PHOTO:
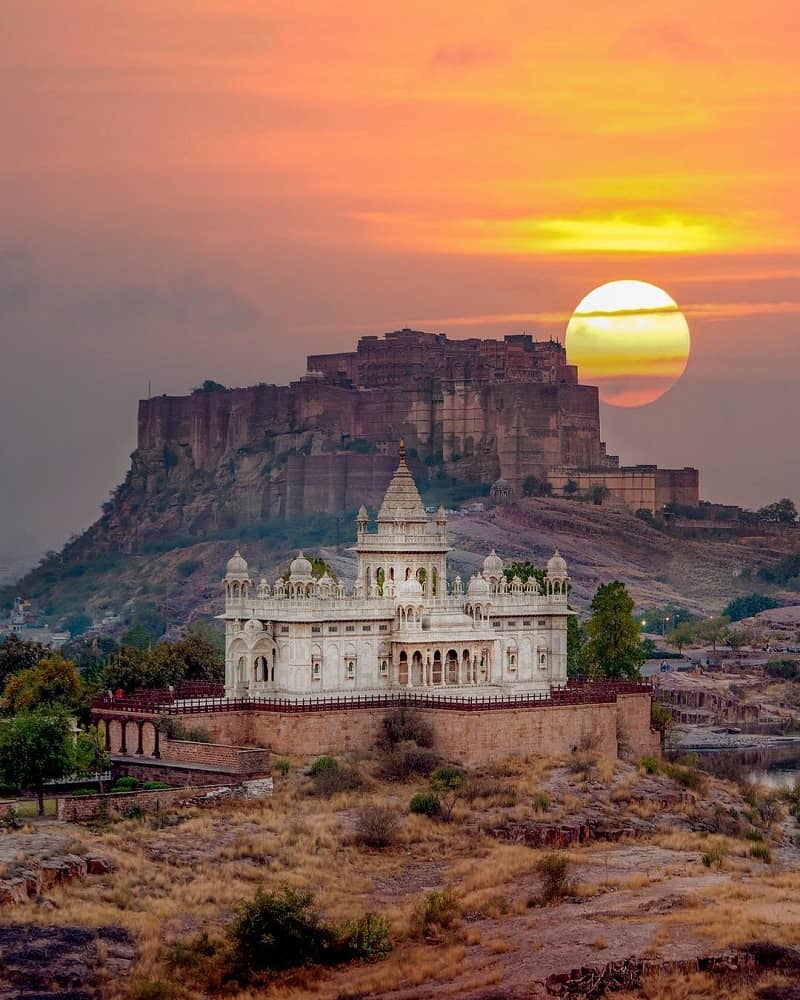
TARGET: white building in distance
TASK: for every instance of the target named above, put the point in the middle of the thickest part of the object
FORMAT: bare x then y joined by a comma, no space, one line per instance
404,626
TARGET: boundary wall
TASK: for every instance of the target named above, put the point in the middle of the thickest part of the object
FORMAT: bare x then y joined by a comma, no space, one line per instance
613,718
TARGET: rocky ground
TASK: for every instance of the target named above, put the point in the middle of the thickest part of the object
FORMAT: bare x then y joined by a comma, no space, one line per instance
661,877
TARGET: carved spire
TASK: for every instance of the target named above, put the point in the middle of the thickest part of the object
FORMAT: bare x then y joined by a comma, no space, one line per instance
402,451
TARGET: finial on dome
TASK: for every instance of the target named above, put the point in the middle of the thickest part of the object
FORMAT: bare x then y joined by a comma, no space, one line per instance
402,449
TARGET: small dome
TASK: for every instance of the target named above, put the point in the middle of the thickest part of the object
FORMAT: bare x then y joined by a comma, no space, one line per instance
362,513
300,567
409,588
556,566
326,580
236,565
478,587
493,564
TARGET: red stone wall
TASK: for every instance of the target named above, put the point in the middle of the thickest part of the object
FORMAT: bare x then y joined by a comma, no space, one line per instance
75,808
472,737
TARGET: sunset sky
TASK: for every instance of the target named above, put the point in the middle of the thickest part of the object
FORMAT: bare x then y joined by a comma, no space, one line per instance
194,189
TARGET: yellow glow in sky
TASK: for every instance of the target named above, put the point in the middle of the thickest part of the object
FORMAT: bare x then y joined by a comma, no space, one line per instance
630,339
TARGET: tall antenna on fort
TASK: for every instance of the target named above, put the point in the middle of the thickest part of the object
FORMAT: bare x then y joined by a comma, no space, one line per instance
149,388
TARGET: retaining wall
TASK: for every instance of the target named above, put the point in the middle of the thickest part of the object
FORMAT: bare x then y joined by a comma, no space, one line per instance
82,807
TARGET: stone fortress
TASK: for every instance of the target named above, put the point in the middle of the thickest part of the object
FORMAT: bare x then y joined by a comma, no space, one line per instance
404,626
478,411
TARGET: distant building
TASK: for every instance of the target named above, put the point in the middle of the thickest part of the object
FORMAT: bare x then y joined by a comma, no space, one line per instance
23,623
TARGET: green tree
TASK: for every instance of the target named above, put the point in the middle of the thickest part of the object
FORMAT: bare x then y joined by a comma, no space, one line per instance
89,756
613,647
780,512
89,652
16,654
525,570
76,624
53,681
533,486
35,747
570,488
201,649
682,635
139,636
126,670
713,630
746,607
448,784
574,646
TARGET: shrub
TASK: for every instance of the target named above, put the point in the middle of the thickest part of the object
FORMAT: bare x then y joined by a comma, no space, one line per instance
715,856
366,938
321,765
279,930
82,791
436,912
761,853
282,766
376,826
407,760
449,784
650,765
553,870
405,725
125,785
11,820
425,804
152,786
755,835
689,777
133,812
540,802
329,781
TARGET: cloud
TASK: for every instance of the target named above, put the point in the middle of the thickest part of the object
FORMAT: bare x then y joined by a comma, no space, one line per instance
467,56
664,39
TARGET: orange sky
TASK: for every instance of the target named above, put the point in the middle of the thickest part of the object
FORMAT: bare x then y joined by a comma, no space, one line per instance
192,188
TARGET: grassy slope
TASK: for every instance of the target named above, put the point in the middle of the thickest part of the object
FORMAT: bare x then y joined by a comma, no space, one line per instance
598,544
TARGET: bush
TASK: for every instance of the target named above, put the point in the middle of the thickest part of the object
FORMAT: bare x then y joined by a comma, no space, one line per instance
152,786
279,930
125,785
366,938
322,765
329,781
436,912
761,853
782,669
282,766
282,930
540,802
11,820
553,870
425,804
689,777
408,760
82,791
449,784
650,765
133,812
376,826
715,856
405,725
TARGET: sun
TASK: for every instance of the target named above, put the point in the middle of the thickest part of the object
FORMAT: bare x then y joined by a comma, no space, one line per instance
631,340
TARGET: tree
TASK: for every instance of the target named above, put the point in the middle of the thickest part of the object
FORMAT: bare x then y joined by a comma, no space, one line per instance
713,630
89,652
89,756
16,654
682,635
449,784
201,649
570,488
35,747
126,670
76,624
139,636
53,681
574,646
533,486
525,570
597,494
746,607
780,512
613,647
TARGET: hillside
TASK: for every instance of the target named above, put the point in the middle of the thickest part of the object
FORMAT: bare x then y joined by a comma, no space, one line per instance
181,577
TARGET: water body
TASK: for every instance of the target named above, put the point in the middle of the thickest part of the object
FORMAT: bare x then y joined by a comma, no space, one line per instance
773,766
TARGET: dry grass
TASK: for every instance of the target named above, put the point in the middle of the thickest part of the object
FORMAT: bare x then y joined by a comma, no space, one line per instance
174,882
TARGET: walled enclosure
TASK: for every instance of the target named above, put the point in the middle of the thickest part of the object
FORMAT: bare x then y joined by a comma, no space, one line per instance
472,737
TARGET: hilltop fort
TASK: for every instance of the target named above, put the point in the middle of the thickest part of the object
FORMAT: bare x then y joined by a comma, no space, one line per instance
503,413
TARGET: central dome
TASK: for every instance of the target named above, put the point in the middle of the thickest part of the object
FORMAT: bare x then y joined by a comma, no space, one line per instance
300,567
